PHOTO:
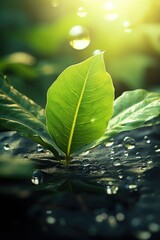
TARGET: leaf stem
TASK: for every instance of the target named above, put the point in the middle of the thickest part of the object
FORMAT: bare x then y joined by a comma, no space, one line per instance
67,161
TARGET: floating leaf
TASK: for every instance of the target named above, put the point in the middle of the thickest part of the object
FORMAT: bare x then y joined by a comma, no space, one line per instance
131,110
19,113
79,105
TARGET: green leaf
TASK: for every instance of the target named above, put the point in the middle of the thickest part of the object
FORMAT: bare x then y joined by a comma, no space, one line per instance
19,113
131,110
79,105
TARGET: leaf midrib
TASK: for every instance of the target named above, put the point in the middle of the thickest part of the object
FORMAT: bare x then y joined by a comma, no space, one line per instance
76,113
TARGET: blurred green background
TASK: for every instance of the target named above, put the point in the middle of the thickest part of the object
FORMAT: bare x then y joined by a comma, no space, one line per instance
40,38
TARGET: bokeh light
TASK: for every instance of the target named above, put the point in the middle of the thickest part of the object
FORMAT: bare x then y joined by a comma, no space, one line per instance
59,33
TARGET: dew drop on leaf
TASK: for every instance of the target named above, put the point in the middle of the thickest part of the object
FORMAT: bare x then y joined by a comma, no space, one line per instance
146,139
128,143
39,148
149,160
144,166
126,154
85,153
6,147
117,162
37,177
157,148
110,142
113,189
120,176
79,37
131,186
138,155
97,51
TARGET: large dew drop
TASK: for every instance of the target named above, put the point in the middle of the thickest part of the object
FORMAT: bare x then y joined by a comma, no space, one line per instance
79,37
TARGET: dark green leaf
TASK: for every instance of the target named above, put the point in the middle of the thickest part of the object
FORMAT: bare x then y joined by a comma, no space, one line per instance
19,113
131,110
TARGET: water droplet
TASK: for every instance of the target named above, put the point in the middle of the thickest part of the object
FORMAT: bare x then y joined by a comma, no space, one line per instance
157,148
111,152
37,177
112,221
149,160
6,147
81,12
79,37
51,220
101,217
126,154
85,153
146,139
117,162
138,155
143,166
131,186
120,216
128,143
112,189
154,227
86,162
102,172
143,235
97,51
110,142
120,176
40,148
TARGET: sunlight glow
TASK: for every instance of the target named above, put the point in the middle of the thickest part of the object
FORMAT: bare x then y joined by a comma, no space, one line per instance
111,16
81,12
109,6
